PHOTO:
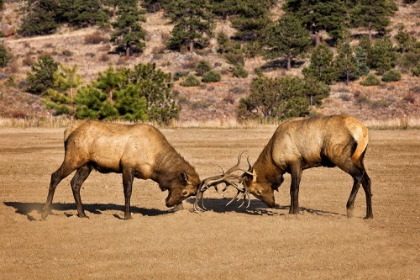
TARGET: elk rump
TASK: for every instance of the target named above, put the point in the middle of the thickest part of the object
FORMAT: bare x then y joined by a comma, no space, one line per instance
137,151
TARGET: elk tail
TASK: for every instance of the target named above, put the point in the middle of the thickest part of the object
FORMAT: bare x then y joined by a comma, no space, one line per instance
361,136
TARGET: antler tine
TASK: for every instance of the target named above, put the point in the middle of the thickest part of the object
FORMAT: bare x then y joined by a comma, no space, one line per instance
227,178
235,168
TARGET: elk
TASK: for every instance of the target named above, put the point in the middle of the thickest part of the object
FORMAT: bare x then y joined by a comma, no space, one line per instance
137,151
303,143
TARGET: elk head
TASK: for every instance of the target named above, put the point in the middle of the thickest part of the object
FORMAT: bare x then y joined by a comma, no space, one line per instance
229,179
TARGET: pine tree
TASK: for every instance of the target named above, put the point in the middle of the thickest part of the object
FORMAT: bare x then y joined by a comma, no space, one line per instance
84,13
382,55
40,19
345,62
42,76
92,103
5,56
321,66
61,97
192,19
287,38
251,18
317,15
129,34
373,15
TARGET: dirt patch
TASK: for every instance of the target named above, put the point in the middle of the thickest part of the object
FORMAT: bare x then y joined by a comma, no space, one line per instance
223,243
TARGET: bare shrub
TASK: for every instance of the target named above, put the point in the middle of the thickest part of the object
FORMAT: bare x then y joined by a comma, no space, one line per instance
95,38
345,96
409,98
230,99
158,50
104,57
27,61
165,37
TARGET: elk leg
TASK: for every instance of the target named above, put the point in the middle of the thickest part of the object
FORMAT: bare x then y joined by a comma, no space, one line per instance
357,175
76,183
128,177
296,172
366,183
56,177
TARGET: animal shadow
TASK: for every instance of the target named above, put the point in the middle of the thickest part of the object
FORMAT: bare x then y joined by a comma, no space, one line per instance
28,209
256,207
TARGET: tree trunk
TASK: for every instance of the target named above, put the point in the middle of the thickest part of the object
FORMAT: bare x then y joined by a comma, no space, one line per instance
289,63
127,52
191,45
317,38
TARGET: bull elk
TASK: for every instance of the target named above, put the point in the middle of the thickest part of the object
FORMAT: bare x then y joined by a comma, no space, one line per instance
303,143
137,151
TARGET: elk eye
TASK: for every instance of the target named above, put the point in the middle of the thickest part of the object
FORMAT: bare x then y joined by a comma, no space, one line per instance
258,192
185,193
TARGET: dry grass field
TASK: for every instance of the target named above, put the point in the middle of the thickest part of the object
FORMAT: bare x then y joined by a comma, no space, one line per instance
223,243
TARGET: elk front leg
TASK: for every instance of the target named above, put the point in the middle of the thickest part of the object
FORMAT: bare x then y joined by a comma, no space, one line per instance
128,178
296,172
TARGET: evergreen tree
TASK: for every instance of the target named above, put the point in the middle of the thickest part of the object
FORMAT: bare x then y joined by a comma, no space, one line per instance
144,93
131,105
5,56
129,34
40,19
287,38
84,13
360,57
345,62
321,66
281,98
61,97
42,76
373,15
317,15
92,103
382,55
192,19
251,18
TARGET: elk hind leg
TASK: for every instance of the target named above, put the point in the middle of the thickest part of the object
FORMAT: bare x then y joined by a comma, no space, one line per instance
76,183
56,177
366,183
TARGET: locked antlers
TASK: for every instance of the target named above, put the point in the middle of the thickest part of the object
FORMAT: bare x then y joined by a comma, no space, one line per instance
229,179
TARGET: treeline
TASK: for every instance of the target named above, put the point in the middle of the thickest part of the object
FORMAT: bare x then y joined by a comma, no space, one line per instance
288,39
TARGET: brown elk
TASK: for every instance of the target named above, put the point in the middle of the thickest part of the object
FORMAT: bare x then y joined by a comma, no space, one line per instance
137,151
303,143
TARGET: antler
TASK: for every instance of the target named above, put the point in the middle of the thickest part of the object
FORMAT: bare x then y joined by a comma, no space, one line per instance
229,179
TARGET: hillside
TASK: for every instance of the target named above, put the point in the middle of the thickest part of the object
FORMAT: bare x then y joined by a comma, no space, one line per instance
209,102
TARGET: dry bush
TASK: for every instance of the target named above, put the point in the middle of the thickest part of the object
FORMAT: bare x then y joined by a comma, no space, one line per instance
165,37
27,61
410,98
95,38
104,48
230,99
104,57
158,50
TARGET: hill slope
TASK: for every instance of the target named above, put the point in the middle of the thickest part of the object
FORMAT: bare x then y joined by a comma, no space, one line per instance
217,101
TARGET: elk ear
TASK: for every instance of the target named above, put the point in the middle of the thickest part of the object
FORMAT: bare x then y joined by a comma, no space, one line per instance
184,177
